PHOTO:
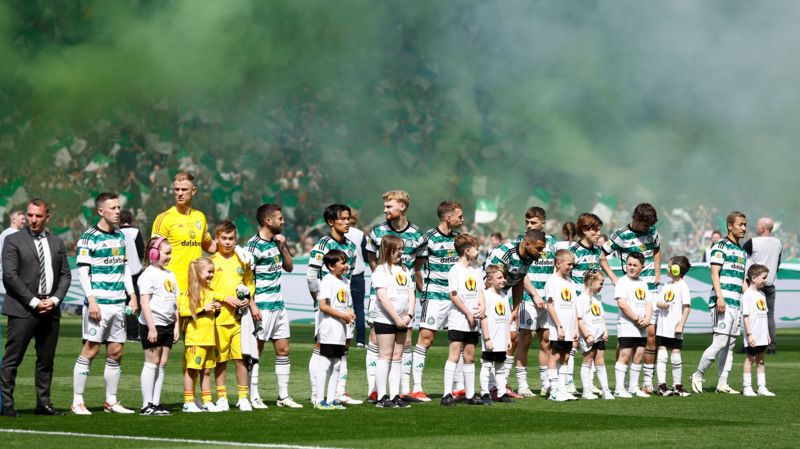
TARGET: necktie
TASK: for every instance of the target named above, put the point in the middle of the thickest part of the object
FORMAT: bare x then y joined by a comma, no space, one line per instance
42,277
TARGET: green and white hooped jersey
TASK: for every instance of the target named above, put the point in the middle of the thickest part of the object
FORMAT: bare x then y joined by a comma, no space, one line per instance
542,268
268,263
585,259
412,241
508,256
732,260
625,241
104,254
440,251
326,244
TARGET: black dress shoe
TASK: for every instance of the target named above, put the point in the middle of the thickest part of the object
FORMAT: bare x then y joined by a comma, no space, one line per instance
9,412
771,351
47,410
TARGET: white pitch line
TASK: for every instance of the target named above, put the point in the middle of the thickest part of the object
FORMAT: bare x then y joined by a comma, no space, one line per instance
162,440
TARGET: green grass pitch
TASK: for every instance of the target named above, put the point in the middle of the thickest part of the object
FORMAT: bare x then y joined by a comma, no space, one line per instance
706,420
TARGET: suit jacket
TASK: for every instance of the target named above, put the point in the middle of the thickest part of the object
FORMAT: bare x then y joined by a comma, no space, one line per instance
21,272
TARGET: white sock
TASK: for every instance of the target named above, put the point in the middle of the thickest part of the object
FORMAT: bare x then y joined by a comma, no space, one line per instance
112,374
459,377
647,374
382,368
372,365
747,380
486,367
661,366
636,370
761,378
571,365
563,376
508,365
469,380
405,383
602,376
677,368
619,375
725,361
159,385
586,378
501,377
148,380
717,343
341,369
313,363
552,375
395,373
334,375
322,374
80,374
282,370
522,377
449,376
543,376
418,363
254,395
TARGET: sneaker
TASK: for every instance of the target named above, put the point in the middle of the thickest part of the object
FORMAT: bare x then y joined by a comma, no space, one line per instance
697,384
622,394
322,405
211,407
663,390
448,401
347,400
385,402
459,395
647,389
148,410
748,392
257,403
725,388
513,394
474,400
596,390
678,390
116,408
338,405
525,392
160,410
493,393
571,387
400,403
421,396
608,395
563,396
762,391
545,391
288,402
486,399
80,409
191,407
410,399
244,405
505,399
222,404
360,345
639,393
589,396
553,394
373,398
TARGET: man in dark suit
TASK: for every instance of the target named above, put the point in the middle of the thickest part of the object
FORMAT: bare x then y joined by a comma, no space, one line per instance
36,276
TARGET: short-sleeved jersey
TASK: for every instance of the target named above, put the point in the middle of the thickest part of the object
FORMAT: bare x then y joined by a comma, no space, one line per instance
229,273
585,260
186,233
508,256
625,241
104,254
398,284
466,282
200,331
332,330
322,247
542,268
676,295
732,260
590,311
562,294
754,306
637,294
498,320
162,287
440,252
412,241
268,263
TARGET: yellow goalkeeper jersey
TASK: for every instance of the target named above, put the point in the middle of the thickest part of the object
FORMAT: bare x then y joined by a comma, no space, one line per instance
186,233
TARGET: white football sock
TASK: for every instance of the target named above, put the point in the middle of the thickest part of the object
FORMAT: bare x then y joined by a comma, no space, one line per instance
341,384
283,368
677,368
469,380
313,363
148,380
382,376
80,374
372,365
418,363
322,374
449,376
112,374
661,365
395,373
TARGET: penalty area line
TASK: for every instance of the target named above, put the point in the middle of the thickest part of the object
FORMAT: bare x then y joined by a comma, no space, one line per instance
157,439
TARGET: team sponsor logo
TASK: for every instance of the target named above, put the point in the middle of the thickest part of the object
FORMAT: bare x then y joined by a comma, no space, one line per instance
470,283
401,279
116,251
192,235
341,296
198,225
500,308
84,252
761,304
595,309
566,295
169,286
640,294
669,295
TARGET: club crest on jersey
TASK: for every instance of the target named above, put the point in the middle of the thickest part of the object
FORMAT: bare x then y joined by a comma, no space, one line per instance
198,359
341,296
566,295
431,320
198,225
168,286
239,271
639,294
595,309
500,308
401,279
669,295
761,304
470,284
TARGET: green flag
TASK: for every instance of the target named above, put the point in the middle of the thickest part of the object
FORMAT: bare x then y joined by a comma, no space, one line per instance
540,197
604,208
485,210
